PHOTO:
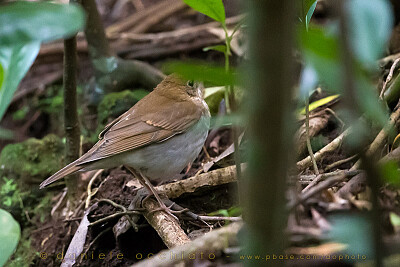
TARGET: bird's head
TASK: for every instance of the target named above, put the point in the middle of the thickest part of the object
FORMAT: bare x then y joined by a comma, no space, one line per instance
174,86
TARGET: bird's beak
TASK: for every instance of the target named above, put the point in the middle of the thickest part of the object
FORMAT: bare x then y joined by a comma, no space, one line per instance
200,90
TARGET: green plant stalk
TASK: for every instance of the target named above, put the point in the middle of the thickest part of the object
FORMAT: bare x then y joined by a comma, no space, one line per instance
392,94
71,121
226,53
231,104
270,127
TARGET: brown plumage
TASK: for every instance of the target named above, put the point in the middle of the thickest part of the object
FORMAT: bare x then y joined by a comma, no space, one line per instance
171,109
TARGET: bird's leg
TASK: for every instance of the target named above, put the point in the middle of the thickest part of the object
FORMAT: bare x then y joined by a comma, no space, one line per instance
188,168
147,184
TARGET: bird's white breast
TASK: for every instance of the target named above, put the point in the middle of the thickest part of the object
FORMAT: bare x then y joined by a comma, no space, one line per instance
163,160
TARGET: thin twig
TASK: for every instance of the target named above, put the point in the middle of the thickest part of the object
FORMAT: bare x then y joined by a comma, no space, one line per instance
333,113
113,216
340,162
115,205
331,181
389,77
332,146
89,188
310,152
220,218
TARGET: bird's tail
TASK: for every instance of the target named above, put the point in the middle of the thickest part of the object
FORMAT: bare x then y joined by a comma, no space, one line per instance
69,169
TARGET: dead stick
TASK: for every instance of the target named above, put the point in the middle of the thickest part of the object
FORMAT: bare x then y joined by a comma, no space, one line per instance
209,244
380,138
332,146
167,227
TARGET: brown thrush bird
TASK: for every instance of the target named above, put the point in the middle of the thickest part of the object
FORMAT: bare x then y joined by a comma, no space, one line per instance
155,139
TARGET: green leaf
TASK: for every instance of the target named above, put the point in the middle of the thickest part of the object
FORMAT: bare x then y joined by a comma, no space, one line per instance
15,62
319,103
354,231
25,22
370,24
220,48
390,173
210,91
1,75
321,51
201,71
310,13
212,8
395,220
213,97
10,233
308,7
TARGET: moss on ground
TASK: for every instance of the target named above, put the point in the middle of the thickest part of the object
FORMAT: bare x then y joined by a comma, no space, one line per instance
32,160
22,167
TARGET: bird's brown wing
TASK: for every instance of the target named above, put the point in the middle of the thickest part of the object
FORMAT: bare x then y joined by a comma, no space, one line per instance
141,126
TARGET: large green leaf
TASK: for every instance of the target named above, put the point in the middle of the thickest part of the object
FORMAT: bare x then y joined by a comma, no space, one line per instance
201,71
212,8
15,62
10,233
321,52
370,24
24,22
354,231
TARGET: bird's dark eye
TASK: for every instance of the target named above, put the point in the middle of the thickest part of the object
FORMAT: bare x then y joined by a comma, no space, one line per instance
190,83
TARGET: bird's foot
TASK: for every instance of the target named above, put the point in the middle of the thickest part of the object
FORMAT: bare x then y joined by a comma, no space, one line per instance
163,207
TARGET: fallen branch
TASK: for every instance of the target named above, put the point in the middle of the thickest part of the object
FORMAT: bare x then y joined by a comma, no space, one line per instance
380,138
316,124
152,45
167,227
135,18
213,178
208,246
332,146
331,181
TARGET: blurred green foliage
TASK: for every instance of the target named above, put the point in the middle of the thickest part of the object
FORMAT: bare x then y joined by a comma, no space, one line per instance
321,51
29,24
10,233
353,230
203,71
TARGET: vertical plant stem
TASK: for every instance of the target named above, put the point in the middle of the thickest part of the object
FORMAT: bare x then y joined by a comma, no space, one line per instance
95,35
351,104
270,79
310,152
227,52
231,105
113,73
71,122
